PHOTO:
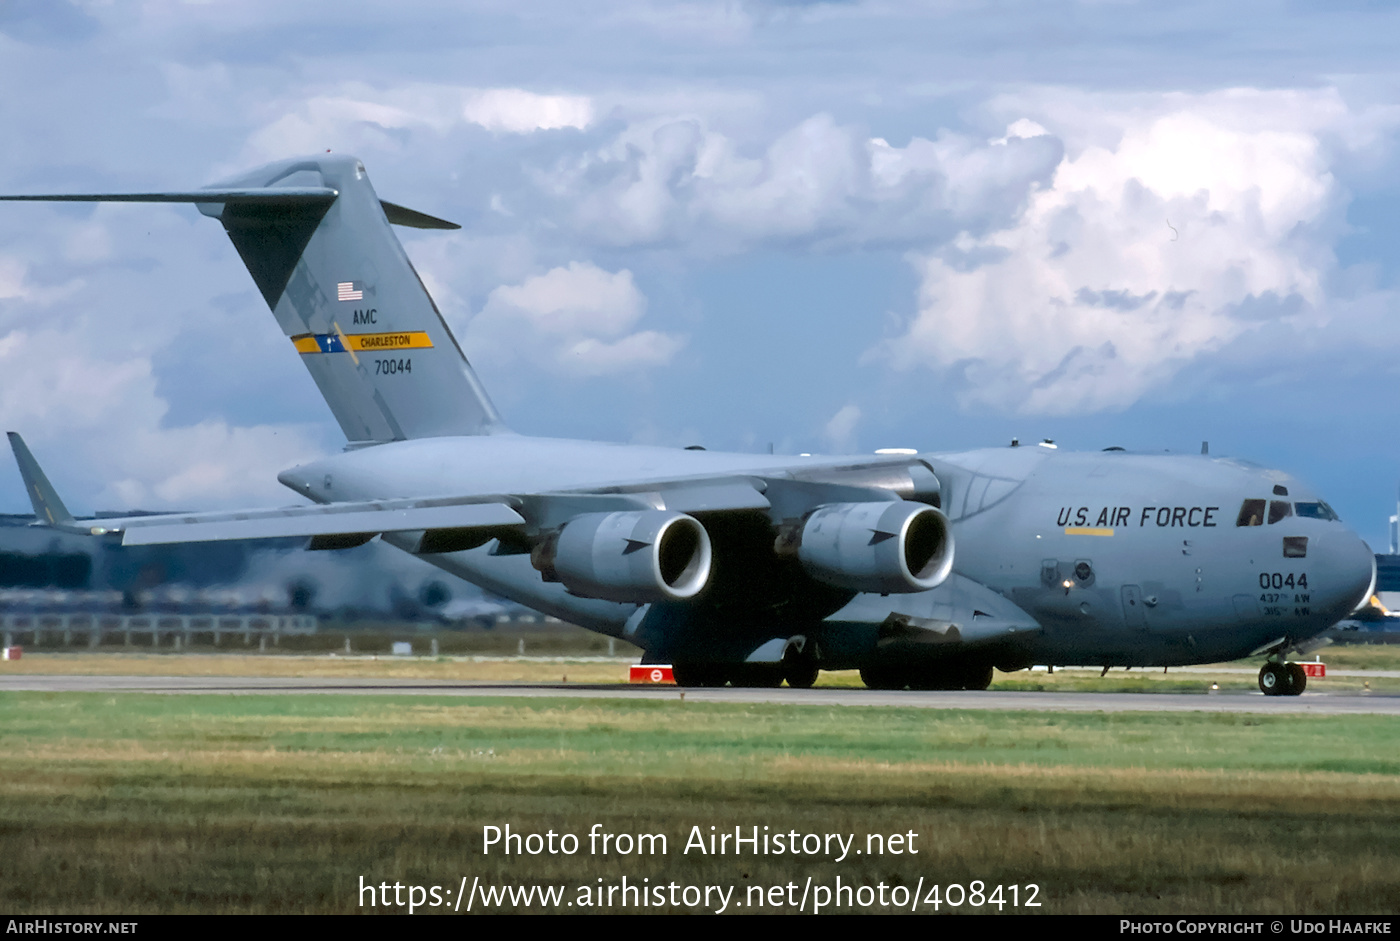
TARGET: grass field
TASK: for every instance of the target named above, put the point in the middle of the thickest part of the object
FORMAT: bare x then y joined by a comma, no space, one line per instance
584,665
135,803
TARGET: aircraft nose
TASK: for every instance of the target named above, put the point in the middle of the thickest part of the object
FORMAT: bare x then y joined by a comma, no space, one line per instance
1354,566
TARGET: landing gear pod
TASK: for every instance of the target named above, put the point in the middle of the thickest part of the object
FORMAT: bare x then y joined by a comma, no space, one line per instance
1282,679
887,548
637,557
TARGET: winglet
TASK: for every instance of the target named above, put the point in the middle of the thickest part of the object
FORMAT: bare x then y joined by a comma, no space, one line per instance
47,506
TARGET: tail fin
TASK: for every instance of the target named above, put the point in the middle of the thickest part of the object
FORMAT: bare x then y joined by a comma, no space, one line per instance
316,240
47,506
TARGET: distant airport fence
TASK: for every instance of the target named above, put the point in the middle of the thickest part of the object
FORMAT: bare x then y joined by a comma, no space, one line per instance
175,629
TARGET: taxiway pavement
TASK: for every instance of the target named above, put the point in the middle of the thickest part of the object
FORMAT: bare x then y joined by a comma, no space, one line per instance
1320,703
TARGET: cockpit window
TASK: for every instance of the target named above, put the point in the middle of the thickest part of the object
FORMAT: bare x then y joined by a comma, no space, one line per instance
1315,511
1279,509
1251,513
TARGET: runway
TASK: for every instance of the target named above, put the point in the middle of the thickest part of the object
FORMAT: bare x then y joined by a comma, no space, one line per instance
1321,703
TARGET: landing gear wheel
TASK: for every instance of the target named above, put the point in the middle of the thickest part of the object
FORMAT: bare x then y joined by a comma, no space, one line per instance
1274,679
952,676
800,675
882,678
698,674
930,678
1299,679
977,677
756,675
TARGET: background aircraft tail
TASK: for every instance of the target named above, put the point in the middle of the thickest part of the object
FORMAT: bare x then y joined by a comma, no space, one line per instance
317,241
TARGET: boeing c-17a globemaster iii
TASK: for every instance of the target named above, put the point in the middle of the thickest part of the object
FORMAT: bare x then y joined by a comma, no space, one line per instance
922,570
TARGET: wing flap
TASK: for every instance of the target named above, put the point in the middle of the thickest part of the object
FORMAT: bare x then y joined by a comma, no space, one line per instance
717,497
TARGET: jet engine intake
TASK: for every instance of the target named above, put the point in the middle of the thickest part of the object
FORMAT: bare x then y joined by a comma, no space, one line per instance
636,556
889,548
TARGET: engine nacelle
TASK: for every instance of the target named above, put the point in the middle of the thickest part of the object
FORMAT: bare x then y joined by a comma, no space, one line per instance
635,556
892,547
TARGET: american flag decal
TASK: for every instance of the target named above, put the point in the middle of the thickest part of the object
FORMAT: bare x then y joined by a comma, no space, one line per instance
350,291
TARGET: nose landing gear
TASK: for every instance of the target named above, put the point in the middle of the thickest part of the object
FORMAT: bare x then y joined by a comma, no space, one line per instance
1277,678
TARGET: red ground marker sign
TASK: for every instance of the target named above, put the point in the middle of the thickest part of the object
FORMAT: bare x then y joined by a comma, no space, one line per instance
653,673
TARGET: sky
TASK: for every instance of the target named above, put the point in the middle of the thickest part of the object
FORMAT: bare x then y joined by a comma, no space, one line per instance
820,227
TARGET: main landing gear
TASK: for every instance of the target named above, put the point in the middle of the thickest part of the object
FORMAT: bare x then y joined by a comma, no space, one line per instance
799,675
1277,678
941,676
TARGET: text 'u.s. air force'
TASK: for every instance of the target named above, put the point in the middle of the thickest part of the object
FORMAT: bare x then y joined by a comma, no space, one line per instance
1188,517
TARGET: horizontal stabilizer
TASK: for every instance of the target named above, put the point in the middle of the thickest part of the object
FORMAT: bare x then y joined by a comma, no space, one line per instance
260,196
284,196
401,215
270,196
320,246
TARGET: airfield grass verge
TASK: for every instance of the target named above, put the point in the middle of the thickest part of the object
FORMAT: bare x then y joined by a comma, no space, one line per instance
576,667
463,669
363,640
136,803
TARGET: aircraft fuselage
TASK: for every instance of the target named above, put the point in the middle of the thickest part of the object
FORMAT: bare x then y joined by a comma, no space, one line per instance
1111,558
776,567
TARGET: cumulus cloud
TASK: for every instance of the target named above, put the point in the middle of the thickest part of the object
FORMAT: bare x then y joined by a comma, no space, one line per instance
207,463
576,319
17,285
88,307
357,117
840,431
325,122
1067,264
12,278
104,414
518,111
1171,231
653,139
674,178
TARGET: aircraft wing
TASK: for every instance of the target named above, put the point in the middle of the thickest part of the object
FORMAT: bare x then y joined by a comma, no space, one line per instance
470,520
484,515
852,526
781,493
455,519
333,520
710,494
337,525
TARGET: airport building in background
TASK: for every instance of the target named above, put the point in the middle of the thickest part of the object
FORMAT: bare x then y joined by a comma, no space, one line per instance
43,569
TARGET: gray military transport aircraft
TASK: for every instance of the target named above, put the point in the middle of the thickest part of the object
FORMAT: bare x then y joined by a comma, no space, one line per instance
739,568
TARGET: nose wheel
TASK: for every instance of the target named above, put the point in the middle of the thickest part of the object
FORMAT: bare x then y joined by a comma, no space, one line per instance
1282,679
